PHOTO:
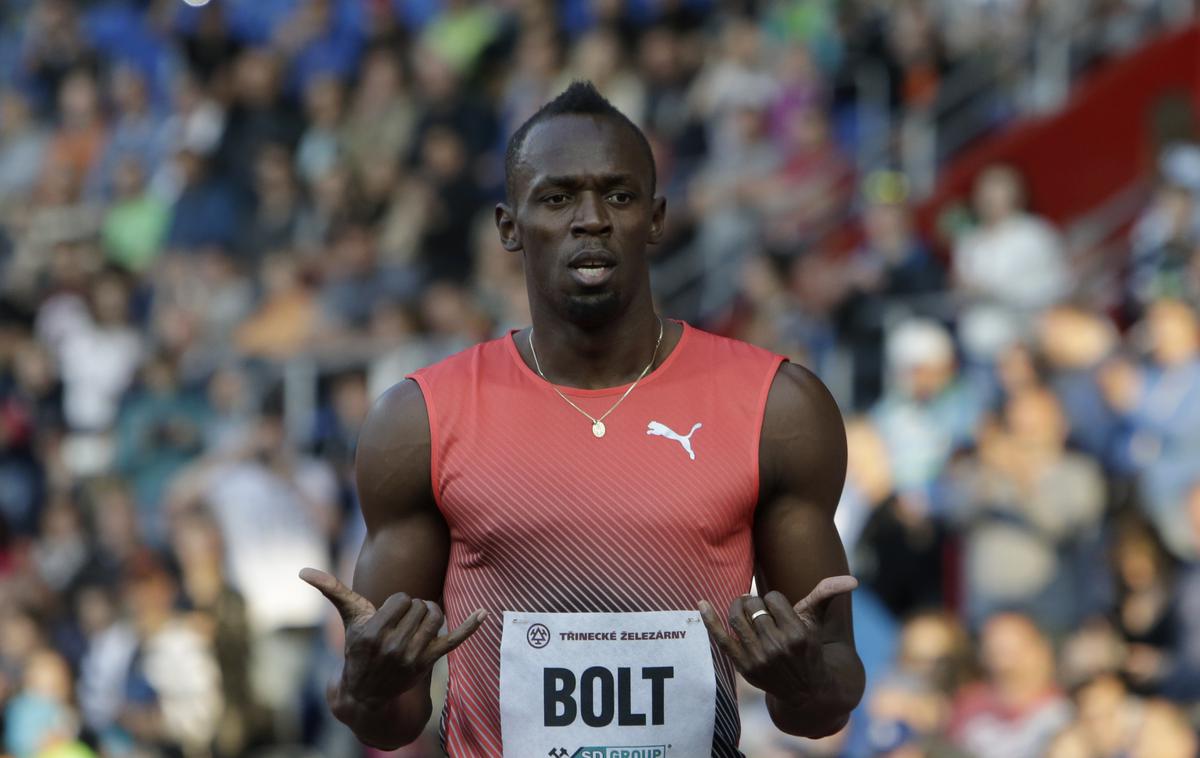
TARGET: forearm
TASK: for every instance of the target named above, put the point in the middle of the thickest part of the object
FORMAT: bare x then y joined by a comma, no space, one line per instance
385,725
825,708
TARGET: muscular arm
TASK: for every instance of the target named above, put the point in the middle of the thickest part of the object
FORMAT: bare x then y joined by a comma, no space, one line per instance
802,464
405,551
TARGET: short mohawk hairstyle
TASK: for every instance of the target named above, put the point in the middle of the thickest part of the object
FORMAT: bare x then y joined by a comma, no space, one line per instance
580,98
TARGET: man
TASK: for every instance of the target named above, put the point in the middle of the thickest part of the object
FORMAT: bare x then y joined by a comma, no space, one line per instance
571,492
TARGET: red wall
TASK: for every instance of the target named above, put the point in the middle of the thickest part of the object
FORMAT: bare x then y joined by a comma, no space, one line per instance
1100,143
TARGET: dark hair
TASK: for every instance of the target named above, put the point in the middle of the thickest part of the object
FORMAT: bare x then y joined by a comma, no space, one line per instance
581,98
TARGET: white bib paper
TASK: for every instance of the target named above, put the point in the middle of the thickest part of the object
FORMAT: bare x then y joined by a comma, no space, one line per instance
606,685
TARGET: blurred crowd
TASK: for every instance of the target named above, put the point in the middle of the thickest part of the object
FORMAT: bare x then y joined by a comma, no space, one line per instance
225,229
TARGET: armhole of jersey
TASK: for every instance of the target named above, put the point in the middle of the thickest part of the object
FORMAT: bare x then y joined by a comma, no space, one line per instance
435,482
764,391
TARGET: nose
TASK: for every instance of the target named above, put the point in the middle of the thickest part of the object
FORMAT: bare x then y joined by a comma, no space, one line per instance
591,217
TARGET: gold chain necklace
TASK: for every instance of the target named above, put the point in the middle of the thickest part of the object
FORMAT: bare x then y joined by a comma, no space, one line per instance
598,427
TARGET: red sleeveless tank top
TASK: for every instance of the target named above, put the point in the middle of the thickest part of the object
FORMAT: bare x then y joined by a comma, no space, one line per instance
545,517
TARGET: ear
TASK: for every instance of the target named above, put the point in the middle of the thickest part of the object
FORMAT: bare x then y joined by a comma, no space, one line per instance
507,226
658,219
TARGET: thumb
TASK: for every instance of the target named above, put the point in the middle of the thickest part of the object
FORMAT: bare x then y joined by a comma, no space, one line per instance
350,605
827,589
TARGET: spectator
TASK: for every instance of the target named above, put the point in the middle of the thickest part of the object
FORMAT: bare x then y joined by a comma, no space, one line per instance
1107,716
912,704
461,33
56,220
172,697
446,243
1160,403
1013,260
52,47
1030,512
22,148
81,133
62,553
219,612
205,216
892,270
1169,662
136,223
317,40
927,412
110,644
355,284
98,359
381,118
137,133
278,210
39,721
286,317
1163,241
1017,709
897,550
721,198
1075,343
159,430
321,144
536,76
114,527
194,125
259,115
273,507
598,59
30,409
229,399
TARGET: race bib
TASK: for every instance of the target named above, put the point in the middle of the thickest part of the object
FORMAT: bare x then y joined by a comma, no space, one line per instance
606,685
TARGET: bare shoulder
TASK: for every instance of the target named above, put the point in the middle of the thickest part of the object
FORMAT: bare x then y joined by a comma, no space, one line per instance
803,447
392,463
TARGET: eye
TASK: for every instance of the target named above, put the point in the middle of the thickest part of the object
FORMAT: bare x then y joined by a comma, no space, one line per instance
557,198
621,198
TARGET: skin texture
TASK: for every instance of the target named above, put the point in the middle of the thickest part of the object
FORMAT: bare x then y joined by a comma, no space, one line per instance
584,185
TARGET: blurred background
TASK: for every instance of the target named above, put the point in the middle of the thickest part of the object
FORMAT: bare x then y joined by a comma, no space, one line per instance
225,229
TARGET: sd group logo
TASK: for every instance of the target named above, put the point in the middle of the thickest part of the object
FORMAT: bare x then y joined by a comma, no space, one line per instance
642,751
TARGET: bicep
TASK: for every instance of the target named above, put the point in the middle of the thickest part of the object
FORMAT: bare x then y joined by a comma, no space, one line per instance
803,468
407,544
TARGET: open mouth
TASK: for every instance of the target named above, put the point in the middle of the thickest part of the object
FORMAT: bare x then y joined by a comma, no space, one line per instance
592,275
592,268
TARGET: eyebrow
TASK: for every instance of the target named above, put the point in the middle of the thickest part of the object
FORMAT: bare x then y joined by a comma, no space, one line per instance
572,182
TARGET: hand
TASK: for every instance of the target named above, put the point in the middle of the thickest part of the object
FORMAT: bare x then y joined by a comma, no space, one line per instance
1144,663
1120,382
389,650
779,652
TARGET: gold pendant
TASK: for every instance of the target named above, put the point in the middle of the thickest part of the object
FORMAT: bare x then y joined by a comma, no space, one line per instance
598,429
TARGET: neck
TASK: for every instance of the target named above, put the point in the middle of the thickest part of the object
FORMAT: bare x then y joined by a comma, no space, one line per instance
595,357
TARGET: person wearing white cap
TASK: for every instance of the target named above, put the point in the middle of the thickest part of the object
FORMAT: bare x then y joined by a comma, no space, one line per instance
926,411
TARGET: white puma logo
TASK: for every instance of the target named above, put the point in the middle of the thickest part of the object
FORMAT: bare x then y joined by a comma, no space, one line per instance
662,430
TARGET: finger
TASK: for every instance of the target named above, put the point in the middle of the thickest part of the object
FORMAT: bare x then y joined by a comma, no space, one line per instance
826,590
395,634
740,622
443,645
783,614
388,615
716,629
426,631
759,616
350,605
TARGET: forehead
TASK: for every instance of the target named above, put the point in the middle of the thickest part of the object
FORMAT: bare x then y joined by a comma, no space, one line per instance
580,146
